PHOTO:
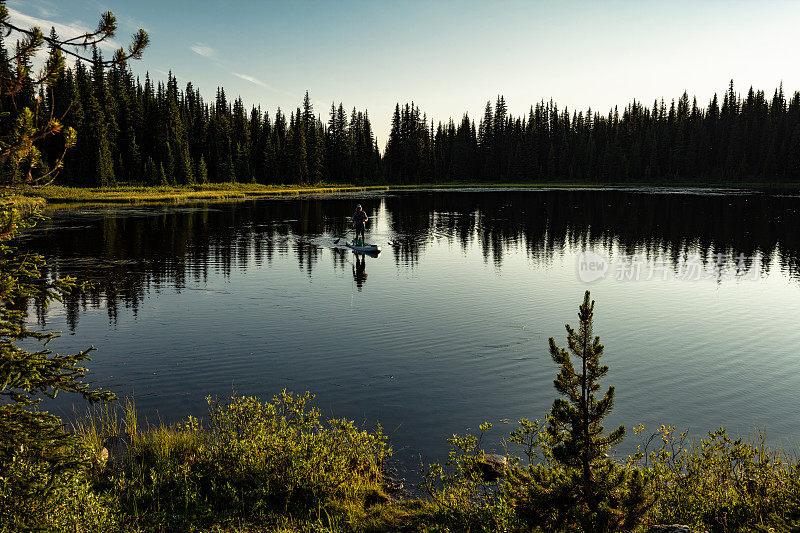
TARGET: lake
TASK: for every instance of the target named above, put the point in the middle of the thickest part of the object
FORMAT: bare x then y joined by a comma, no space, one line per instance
697,294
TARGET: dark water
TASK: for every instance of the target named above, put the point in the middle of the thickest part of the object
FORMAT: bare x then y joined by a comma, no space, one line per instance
448,327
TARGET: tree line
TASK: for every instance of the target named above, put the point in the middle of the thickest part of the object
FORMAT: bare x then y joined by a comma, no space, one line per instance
754,139
156,133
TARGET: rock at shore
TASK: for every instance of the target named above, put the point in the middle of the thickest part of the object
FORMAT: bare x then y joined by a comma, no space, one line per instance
492,466
116,449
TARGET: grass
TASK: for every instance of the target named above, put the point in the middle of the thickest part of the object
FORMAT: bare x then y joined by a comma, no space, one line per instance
60,196
25,204
134,194
595,185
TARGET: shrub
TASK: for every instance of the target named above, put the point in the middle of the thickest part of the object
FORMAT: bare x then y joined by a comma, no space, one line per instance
462,497
255,461
719,483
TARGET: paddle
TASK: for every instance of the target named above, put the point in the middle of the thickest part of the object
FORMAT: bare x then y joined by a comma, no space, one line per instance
342,237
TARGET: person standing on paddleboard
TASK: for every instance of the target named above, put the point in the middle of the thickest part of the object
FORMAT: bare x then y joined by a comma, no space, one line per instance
360,220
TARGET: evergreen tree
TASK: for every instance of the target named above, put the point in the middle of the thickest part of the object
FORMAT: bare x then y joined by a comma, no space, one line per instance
105,166
392,155
151,176
186,174
37,457
202,171
313,142
169,166
298,157
22,133
162,176
576,427
40,462
578,484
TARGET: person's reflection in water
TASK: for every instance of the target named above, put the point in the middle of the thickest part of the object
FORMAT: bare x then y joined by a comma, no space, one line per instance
359,270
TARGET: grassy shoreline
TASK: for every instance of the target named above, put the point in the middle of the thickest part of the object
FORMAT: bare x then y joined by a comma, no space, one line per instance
277,465
56,195
25,204
134,194
755,186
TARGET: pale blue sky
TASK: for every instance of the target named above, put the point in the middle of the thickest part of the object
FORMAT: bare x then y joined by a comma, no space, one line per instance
451,57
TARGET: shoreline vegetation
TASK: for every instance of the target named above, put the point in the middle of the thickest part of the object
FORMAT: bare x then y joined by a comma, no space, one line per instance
276,465
60,196
132,194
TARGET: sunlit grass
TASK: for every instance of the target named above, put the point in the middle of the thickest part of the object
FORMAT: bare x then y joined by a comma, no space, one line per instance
25,204
126,194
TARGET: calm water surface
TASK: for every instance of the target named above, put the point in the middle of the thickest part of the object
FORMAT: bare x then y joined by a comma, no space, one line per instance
448,327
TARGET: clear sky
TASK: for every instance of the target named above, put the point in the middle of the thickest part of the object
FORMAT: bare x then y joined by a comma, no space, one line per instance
451,57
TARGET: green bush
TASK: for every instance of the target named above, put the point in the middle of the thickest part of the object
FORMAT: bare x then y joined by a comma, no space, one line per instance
37,494
462,497
720,484
255,461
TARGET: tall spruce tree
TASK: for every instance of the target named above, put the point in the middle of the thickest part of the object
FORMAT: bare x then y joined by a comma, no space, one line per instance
162,176
578,488
576,427
298,155
202,171
151,176
313,141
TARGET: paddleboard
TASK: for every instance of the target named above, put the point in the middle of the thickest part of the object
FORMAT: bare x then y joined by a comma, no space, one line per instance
366,248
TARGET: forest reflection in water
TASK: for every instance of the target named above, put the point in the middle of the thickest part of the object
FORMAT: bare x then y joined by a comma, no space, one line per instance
130,251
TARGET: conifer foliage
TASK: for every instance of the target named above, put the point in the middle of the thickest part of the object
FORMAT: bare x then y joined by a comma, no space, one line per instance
38,459
28,119
584,490
129,129
754,139
41,465
124,123
575,421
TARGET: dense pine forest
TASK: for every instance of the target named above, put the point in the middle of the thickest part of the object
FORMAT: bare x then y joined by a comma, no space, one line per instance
140,131
753,139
